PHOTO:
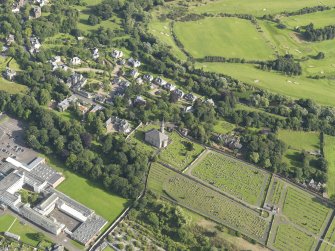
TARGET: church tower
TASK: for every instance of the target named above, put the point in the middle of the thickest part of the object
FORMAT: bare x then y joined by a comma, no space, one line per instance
162,126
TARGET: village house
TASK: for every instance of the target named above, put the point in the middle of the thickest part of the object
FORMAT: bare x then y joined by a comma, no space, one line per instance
134,73
75,61
36,12
134,62
230,140
83,109
210,102
9,74
10,39
117,54
76,81
95,53
17,5
317,186
40,2
139,81
35,44
139,100
159,81
190,97
179,93
97,108
65,104
118,124
100,98
157,138
169,87
148,78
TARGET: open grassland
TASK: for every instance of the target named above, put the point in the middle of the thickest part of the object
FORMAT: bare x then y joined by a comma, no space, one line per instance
256,7
305,210
178,154
26,232
207,202
322,90
92,195
222,37
290,238
319,19
329,152
162,31
232,176
300,140
253,109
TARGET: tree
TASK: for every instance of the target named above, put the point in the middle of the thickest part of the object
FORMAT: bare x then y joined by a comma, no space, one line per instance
93,20
39,236
254,157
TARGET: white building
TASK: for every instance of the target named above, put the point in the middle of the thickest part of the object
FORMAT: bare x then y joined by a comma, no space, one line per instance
75,61
117,54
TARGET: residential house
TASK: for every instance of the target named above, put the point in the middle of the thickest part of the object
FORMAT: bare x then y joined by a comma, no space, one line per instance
117,54
190,97
65,104
139,81
134,62
159,81
139,100
9,74
95,53
35,44
118,124
36,12
10,39
169,87
75,61
134,73
148,78
76,81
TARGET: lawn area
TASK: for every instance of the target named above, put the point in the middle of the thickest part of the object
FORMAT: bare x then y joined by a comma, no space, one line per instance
178,154
319,19
253,109
305,210
11,87
223,37
161,30
25,231
290,238
300,140
322,91
223,127
207,202
137,138
256,7
107,205
329,152
232,176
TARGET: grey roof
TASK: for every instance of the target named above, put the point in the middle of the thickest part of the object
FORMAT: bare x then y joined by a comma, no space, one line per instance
46,203
87,230
157,135
6,168
9,181
44,172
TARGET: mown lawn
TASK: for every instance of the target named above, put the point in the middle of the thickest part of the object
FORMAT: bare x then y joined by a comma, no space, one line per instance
329,152
319,19
90,194
223,127
300,140
26,232
222,37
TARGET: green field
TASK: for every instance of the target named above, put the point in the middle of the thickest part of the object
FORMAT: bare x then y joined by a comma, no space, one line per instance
319,19
329,152
322,90
256,7
161,30
177,154
289,238
232,176
326,247
300,140
207,202
137,139
305,210
222,37
107,205
11,224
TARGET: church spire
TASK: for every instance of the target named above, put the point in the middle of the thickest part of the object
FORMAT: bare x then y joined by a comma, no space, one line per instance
162,126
